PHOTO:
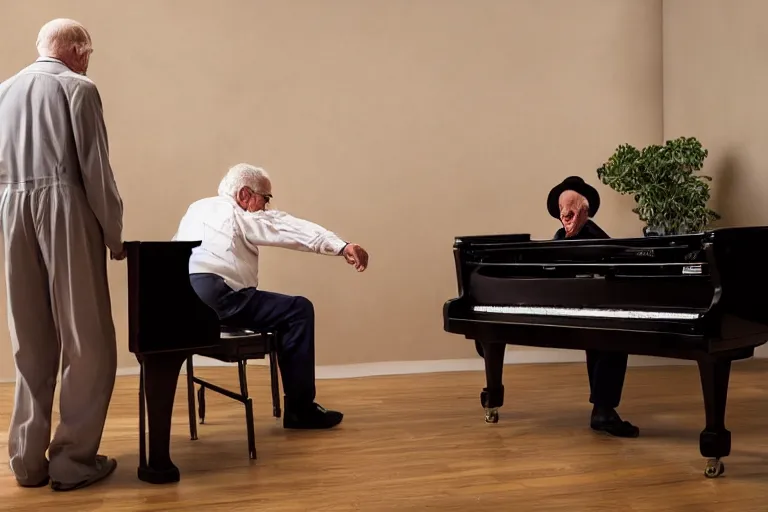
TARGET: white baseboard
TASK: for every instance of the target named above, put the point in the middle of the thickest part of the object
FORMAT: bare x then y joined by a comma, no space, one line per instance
517,356
512,356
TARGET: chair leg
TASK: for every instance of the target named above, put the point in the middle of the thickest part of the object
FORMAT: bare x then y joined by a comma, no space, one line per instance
201,403
249,426
248,409
275,381
191,399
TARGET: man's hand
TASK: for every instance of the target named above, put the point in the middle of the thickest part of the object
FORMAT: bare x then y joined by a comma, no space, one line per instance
356,255
119,256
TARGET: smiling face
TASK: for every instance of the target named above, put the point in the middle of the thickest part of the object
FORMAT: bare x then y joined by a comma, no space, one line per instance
574,212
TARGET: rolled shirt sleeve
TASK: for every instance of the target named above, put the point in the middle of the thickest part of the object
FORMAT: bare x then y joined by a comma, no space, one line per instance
280,229
93,153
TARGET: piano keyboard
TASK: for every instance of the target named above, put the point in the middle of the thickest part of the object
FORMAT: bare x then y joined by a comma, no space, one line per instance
586,312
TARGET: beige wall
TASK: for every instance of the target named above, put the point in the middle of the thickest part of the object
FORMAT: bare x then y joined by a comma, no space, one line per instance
715,83
399,124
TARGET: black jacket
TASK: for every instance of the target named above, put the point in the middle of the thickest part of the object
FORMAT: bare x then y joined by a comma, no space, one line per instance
590,231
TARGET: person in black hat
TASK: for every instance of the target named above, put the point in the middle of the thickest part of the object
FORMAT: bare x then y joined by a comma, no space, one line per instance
573,202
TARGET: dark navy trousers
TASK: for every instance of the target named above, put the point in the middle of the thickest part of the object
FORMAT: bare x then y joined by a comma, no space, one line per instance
293,317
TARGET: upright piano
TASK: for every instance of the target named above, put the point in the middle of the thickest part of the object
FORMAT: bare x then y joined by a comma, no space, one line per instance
699,297
167,323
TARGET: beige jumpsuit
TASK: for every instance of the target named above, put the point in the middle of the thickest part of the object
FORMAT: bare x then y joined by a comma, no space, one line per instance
60,209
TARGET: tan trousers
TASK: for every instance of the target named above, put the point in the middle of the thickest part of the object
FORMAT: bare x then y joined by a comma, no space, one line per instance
58,312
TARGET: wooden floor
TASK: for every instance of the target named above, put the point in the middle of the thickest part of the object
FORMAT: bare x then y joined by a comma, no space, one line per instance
419,442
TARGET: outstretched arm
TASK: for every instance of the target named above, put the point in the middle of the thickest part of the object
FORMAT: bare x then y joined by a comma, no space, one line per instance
93,153
279,229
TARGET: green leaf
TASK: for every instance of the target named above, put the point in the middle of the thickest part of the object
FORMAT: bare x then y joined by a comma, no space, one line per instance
662,181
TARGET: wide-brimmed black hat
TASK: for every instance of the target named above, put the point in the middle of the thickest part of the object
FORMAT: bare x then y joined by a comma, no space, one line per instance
578,185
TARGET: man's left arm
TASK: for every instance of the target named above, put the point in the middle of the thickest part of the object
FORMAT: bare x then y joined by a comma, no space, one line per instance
90,135
279,229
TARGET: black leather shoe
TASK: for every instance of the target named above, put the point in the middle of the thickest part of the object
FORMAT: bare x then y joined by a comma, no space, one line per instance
311,416
609,422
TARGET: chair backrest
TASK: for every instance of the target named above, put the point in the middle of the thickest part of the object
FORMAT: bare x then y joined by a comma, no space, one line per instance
164,312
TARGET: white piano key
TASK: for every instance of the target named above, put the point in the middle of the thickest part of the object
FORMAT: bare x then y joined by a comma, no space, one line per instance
587,312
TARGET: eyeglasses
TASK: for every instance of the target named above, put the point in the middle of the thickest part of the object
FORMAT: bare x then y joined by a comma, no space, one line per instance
267,197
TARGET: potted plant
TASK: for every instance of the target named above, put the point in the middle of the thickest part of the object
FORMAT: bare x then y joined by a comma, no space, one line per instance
671,199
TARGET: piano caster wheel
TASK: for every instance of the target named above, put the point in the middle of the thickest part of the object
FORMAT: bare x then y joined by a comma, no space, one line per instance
491,414
714,468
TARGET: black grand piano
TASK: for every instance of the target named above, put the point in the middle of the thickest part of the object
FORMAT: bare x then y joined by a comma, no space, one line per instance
699,297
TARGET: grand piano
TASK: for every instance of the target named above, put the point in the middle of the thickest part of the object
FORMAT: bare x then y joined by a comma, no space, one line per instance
167,323
698,297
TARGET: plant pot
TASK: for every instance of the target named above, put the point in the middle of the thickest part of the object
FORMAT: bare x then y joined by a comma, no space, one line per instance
649,231
659,231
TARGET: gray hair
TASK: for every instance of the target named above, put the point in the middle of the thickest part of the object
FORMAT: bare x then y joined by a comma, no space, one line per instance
242,175
60,35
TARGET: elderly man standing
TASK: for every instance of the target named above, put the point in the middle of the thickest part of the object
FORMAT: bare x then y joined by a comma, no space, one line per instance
224,272
59,208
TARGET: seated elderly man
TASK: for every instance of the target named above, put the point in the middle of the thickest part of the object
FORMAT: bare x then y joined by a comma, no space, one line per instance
573,202
224,273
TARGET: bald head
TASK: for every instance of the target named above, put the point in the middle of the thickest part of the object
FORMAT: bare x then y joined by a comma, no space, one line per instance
66,40
574,212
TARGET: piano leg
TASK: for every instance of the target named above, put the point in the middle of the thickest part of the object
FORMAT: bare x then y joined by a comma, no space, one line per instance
715,439
492,396
159,377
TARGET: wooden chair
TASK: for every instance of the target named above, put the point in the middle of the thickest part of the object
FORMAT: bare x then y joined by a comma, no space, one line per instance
237,346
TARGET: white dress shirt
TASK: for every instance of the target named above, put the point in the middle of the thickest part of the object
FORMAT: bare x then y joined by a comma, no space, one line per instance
231,237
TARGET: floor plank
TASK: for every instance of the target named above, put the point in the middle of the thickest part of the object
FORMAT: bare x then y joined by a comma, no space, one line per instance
419,442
